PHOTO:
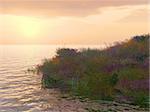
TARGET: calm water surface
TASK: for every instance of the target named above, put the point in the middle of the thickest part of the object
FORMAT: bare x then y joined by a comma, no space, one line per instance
20,91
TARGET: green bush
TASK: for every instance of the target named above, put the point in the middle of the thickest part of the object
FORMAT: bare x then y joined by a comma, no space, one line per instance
139,98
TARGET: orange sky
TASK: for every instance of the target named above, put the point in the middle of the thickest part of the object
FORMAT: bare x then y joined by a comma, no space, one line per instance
71,21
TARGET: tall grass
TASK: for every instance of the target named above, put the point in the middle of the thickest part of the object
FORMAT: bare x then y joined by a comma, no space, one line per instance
119,70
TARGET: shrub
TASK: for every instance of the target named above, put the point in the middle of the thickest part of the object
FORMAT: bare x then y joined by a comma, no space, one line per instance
97,73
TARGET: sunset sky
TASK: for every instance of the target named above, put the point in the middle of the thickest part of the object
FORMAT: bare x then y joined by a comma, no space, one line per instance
72,21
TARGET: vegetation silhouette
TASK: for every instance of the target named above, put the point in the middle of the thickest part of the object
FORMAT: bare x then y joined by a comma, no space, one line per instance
119,72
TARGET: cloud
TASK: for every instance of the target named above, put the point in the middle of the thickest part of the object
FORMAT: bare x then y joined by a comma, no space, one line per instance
138,15
60,7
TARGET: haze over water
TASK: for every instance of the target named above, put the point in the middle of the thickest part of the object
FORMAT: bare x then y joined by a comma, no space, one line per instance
32,30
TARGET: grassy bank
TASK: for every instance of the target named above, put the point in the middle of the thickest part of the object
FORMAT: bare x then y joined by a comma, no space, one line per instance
119,72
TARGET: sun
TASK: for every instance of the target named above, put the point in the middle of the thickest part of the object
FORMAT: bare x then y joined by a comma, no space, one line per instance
29,27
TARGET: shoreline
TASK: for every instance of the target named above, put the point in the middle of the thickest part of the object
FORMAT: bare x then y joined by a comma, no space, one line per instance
67,103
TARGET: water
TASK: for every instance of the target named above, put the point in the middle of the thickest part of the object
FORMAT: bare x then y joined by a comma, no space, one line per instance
21,91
